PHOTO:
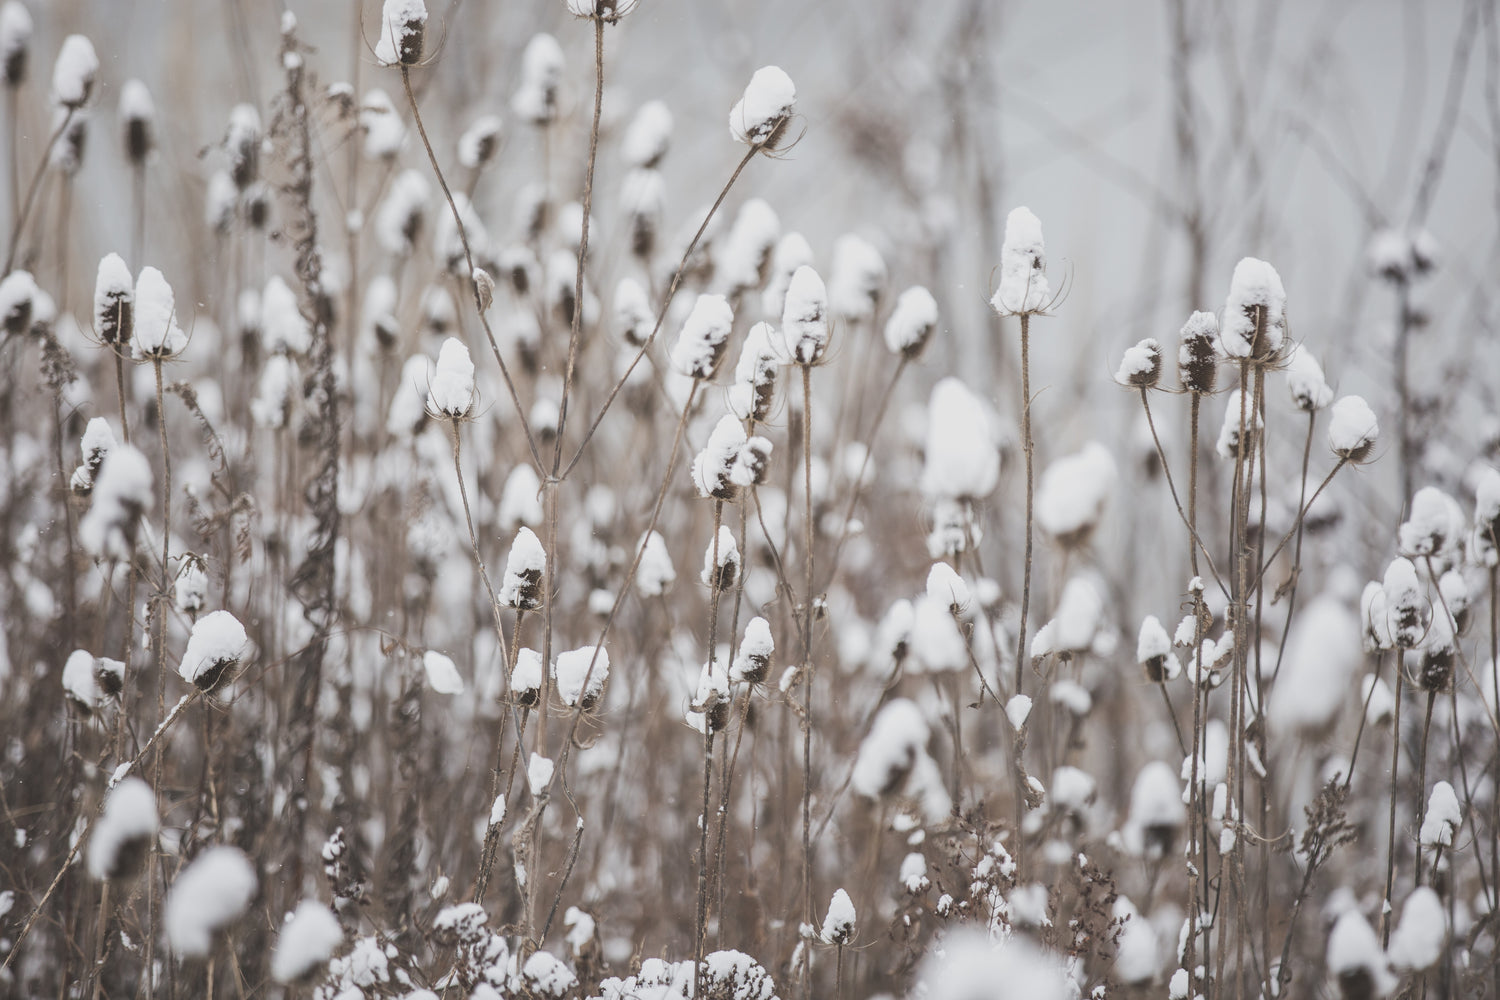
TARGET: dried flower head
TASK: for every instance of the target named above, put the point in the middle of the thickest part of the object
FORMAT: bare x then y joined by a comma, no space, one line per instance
137,121
1023,267
1254,325
759,119
73,73
403,26
1198,355
1141,365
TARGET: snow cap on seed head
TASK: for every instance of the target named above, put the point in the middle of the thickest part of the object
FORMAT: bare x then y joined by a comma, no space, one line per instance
1023,267
760,116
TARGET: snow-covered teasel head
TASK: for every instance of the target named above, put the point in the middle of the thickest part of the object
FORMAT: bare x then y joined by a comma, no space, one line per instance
1156,809
450,393
752,661
712,466
746,254
1072,493
607,11
307,941
656,573
124,832
1304,379
537,99
114,302
521,587
284,330
1236,409
580,675
721,573
242,140
381,123
73,73
754,387
759,119
215,646
790,253
1254,326
1484,546
1140,367
857,278
15,42
962,455
1352,429
403,213
212,892
1198,353
137,121
912,322
1023,267
839,924
804,318
18,297
649,136
704,336
1356,960
1434,528
403,26
1444,817
190,589
1405,606
121,494
1153,651
156,336
479,142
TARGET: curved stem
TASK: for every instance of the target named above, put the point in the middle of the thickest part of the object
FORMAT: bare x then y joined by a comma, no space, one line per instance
32,188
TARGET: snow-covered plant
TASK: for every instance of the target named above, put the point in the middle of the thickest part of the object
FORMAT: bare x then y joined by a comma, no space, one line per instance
962,456
441,673
1153,651
121,495
580,675
1140,367
721,572
648,136
839,923
1352,429
1073,490
1254,324
307,941
242,140
1198,353
451,393
124,833
704,336
912,322
114,302
403,26
216,645
857,278
804,318
712,466
212,892
1443,819
73,73
137,121
536,102
521,587
759,118
15,42
1023,267
1157,814
656,573
752,661
18,295
1304,379
156,336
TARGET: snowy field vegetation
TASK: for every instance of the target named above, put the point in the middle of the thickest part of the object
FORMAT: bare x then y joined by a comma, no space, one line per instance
642,499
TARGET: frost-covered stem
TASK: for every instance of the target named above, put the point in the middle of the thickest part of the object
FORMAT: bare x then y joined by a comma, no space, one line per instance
1390,850
463,238
1027,448
34,186
583,242
1422,778
484,575
708,754
807,667
88,828
661,315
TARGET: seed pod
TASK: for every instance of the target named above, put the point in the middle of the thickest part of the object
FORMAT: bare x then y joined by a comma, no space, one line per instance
15,42
760,117
522,586
1141,365
242,143
403,26
137,121
215,646
1198,355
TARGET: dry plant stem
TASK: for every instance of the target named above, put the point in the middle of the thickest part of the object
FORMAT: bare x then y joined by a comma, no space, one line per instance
96,971
489,588
1296,572
88,827
463,237
1390,851
1198,818
1195,544
1463,774
583,241
808,600
138,226
1422,779
661,315
1301,514
701,920
1028,449
858,486
1363,719
33,187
